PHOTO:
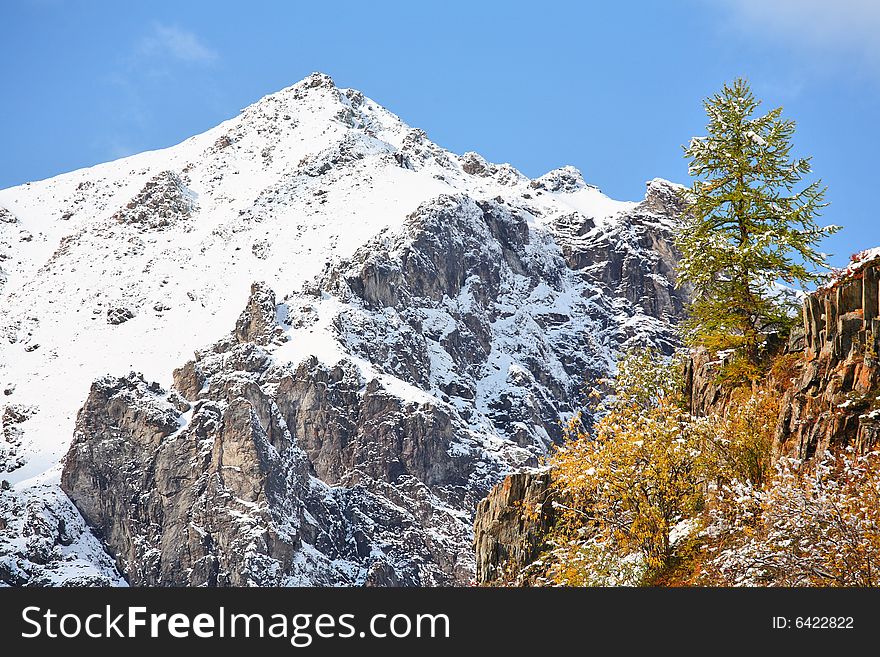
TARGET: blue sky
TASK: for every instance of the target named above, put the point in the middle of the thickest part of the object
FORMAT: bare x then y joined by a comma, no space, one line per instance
614,88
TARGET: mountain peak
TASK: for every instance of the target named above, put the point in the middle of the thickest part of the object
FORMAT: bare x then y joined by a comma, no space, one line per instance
443,298
565,179
316,79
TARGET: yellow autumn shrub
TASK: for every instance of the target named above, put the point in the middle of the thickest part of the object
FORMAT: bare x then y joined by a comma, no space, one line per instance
626,485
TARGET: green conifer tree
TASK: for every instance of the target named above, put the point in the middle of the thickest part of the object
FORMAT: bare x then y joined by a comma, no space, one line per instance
748,225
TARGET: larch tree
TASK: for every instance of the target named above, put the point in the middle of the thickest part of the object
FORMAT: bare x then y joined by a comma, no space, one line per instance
750,225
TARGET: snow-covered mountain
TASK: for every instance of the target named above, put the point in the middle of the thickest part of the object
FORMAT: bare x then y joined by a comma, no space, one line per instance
441,315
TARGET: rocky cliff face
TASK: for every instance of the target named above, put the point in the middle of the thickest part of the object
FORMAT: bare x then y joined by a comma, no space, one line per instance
44,541
441,316
510,526
834,400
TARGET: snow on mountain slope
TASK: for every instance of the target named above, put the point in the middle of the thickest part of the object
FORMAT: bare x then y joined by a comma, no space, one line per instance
135,264
259,215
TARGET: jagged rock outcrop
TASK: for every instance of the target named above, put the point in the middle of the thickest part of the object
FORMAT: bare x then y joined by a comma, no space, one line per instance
119,315
643,272
12,416
163,201
6,217
564,179
510,527
44,541
279,475
184,503
834,400
258,323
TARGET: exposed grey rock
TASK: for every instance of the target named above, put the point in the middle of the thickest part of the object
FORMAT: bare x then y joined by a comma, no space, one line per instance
164,200
664,197
633,259
229,499
316,80
6,217
417,150
565,179
183,506
223,141
475,165
11,418
350,150
257,323
117,315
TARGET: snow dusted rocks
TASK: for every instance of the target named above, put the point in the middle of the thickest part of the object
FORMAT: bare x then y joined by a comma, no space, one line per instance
7,219
257,323
664,198
184,502
118,315
437,318
45,542
163,201
565,179
11,419
276,475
